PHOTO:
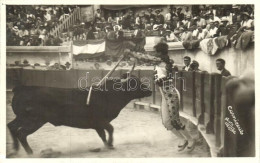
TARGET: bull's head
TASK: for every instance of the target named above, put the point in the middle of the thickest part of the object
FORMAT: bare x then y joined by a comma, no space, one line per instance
135,87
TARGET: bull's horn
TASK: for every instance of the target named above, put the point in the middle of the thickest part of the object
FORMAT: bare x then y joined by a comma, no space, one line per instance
130,72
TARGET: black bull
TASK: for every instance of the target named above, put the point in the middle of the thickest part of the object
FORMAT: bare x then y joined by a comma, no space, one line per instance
34,106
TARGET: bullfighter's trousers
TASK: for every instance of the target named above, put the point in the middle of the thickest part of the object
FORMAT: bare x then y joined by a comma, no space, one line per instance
170,108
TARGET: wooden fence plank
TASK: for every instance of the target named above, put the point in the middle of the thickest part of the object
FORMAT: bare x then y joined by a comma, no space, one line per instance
217,106
199,90
209,103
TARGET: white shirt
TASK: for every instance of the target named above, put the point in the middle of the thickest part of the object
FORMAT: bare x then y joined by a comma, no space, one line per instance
188,24
172,37
201,22
217,19
118,26
247,23
47,17
160,71
229,18
135,32
212,32
184,22
204,34
168,17
187,13
195,33
187,68
137,20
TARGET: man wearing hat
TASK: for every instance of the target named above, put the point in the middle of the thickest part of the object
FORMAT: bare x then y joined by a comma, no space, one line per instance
67,65
201,21
187,61
173,12
223,27
187,22
150,15
235,14
15,30
109,19
214,32
97,15
159,18
187,12
168,16
195,32
143,20
209,18
170,36
247,22
179,14
203,33
228,17
111,35
90,33
187,34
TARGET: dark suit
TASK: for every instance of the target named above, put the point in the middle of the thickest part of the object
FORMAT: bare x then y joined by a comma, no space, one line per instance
183,68
180,15
225,72
148,17
159,19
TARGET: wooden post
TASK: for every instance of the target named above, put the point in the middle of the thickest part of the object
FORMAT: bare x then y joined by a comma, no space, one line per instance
209,103
154,92
193,94
217,106
223,114
59,57
210,125
200,96
71,53
180,86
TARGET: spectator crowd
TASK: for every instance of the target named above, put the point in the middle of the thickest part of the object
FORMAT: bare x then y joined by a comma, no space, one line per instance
28,25
177,25
31,26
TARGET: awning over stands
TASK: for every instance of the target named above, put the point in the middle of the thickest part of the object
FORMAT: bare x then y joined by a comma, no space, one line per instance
122,7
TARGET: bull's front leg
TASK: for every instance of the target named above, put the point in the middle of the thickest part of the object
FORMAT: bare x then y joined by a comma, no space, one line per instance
102,135
110,130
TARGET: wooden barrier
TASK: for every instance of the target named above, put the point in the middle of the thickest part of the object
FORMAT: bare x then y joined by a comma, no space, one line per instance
217,106
209,103
199,97
189,93
239,131
13,77
180,85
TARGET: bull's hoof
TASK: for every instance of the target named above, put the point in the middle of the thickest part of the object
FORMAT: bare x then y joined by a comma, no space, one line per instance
49,153
11,155
110,147
95,150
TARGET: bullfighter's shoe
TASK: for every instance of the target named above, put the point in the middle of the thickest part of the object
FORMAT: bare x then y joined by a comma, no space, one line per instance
183,146
191,146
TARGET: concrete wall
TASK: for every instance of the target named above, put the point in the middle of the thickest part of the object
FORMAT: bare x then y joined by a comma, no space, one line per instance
237,61
38,54
40,58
